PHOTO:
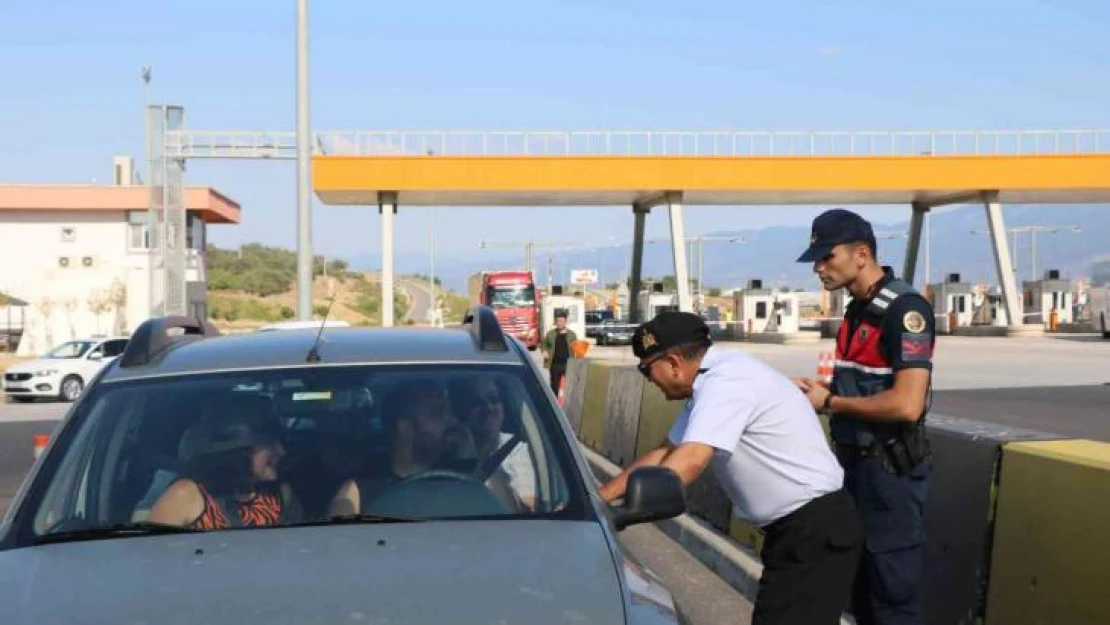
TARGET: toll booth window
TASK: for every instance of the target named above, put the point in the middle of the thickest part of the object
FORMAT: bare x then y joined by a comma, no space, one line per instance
761,310
961,304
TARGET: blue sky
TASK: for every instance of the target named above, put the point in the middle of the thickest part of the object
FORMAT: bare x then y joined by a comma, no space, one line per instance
72,94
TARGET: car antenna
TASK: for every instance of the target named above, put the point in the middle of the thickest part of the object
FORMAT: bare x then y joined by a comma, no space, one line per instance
314,351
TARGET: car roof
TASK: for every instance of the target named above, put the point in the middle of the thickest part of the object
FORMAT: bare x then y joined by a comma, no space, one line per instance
290,348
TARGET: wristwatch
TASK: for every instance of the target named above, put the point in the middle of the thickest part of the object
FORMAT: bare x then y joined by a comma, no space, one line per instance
827,403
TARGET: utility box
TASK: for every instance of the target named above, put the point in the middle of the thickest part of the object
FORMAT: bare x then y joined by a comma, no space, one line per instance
952,302
1043,297
760,310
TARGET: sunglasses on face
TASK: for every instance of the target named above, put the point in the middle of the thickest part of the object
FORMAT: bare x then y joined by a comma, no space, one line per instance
645,366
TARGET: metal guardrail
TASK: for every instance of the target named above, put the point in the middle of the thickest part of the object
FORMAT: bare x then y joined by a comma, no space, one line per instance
724,144
282,144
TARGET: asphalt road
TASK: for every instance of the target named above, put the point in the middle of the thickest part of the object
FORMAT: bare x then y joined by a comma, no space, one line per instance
1073,411
704,597
419,297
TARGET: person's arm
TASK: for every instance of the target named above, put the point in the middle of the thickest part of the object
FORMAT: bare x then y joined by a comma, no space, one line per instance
908,339
615,487
346,501
181,504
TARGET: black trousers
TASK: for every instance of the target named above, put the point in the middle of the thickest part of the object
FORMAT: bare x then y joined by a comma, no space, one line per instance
809,561
557,377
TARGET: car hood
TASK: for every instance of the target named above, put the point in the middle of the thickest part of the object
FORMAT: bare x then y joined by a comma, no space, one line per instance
464,572
31,366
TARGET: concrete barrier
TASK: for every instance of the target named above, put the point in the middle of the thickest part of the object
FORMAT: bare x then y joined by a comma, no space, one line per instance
962,534
622,417
595,404
577,369
1051,551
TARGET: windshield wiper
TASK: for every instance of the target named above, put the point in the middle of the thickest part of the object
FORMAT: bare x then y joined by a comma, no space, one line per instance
355,519
111,531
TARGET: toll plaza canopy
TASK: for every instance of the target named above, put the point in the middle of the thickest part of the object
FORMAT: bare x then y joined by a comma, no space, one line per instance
711,168
648,168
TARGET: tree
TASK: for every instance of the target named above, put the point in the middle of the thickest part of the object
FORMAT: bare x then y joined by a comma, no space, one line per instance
117,297
99,303
45,306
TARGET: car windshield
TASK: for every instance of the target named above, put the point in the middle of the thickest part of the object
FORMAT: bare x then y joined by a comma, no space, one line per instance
511,296
71,349
310,445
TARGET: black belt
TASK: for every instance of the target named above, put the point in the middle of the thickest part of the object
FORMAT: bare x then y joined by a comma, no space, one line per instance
851,450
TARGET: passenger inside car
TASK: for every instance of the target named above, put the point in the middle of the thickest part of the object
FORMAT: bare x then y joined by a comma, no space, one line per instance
232,475
424,437
481,402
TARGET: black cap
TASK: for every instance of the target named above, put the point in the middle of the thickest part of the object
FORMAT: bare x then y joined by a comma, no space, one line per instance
668,329
834,227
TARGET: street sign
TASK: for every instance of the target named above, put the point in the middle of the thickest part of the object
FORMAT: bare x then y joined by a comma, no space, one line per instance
583,276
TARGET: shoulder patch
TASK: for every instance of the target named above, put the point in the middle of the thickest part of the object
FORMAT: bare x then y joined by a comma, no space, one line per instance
914,322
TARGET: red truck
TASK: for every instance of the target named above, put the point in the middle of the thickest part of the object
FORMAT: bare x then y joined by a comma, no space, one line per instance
513,298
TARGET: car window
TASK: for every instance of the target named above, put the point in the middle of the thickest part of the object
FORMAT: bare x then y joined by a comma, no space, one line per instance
114,347
70,349
282,447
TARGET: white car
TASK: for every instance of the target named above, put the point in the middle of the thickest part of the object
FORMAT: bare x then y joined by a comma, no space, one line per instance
64,371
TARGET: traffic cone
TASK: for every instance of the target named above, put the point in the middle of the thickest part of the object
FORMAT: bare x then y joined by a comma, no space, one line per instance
40,444
825,364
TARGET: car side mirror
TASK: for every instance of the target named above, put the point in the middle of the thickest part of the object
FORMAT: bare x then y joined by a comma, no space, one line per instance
96,356
652,494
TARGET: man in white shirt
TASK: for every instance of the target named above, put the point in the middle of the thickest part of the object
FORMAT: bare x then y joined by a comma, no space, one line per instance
769,454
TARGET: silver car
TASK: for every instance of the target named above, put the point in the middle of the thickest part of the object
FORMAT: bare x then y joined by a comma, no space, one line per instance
340,475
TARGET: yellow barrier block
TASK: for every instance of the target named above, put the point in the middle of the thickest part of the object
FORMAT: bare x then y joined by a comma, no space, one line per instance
657,415
1051,550
595,404
746,534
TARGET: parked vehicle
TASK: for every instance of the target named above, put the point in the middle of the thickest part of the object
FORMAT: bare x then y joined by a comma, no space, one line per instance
63,372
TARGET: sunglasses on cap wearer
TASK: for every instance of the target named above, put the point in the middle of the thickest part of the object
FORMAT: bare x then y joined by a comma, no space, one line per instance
645,366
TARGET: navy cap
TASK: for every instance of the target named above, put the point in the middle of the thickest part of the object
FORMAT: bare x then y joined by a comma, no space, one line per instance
668,329
835,227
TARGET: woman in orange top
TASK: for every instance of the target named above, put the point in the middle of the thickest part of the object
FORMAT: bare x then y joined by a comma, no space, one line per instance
233,480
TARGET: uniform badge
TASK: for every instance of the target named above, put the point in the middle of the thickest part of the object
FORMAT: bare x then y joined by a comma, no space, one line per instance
863,334
648,340
914,322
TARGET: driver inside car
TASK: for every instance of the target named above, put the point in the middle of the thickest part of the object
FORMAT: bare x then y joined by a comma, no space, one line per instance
425,437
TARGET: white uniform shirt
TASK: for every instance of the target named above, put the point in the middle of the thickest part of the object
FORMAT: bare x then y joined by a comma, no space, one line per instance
771,455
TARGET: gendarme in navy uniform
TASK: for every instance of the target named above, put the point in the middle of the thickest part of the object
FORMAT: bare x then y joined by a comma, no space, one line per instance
876,405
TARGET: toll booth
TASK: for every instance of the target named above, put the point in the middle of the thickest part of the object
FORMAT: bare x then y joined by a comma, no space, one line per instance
655,301
990,308
1042,297
761,311
952,302
838,303
575,307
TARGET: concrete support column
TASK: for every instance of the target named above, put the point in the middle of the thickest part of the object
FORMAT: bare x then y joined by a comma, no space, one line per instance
387,207
678,250
913,247
640,211
1000,247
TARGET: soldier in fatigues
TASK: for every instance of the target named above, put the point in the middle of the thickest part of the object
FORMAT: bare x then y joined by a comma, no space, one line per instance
877,404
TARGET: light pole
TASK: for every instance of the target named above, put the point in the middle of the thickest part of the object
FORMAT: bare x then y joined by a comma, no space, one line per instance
699,239
304,172
1032,230
432,266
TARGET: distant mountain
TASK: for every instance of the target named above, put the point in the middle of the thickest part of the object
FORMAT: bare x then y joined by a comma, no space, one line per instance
769,253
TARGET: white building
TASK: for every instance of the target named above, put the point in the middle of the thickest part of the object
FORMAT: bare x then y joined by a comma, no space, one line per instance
79,255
